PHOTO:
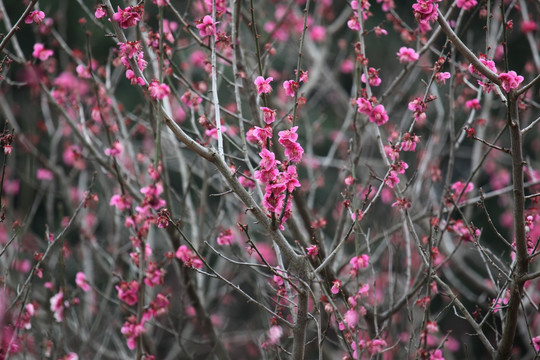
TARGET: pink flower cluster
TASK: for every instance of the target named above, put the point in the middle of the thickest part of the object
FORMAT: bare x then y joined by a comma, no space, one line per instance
206,26
277,183
373,77
425,12
129,16
465,233
225,237
35,16
466,4
357,263
418,107
41,53
58,305
510,80
128,292
278,178
188,257
158,91
132,50
409,141
376,114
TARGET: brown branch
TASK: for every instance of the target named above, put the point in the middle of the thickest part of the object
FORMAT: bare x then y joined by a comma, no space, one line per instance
506,343
17,25
465,51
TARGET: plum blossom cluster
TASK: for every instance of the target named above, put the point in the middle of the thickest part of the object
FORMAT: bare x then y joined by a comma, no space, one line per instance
376,114
466,4
132,329
129,16
509,80
362,6
132,50
278,178
35,16
41,53
188,257
425,12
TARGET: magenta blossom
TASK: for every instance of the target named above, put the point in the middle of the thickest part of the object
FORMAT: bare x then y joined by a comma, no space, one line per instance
510,80
80,280
41,53
158,91
263,85
128,292
407,55
466,4
373,77
128,17
291,87
58,306
100,12
441,77
206,26
378,115
35,16
269,115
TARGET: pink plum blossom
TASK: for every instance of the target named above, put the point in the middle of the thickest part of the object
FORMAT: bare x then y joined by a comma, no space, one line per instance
40,52
336,286
536,342
373,77
263,85
129,16
58,306
436,355
206,26
100,12
407,55
312,251
353,22
473,104
378,115
466,4
188,257
128,292
425,12
317,33
225,237
44,174
115,150
269,115
528,26
291,87
35,16
274,334
158,91
80,280
359,262
510,80
131,329
441,77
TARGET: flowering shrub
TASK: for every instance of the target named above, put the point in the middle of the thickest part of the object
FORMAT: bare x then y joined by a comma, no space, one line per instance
282,179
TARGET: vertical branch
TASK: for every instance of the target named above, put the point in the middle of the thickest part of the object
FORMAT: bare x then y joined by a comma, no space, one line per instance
522,260
215,86
299,340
